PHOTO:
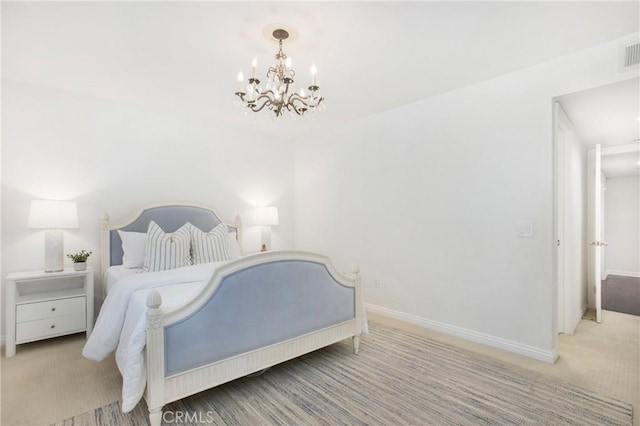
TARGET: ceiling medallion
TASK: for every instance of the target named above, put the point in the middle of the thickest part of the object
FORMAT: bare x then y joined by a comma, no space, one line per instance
278,95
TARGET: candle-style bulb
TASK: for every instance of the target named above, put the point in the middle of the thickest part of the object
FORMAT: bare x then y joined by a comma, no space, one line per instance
240,79
288,62
314,71
254,65
302,94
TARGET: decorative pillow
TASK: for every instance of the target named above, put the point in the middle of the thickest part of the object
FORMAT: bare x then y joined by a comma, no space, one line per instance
133,248
166,251
232,244
211,246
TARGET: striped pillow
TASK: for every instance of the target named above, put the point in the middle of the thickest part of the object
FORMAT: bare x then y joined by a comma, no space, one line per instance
210,246
166,251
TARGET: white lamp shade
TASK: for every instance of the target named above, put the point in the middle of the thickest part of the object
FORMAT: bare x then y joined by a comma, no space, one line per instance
53,214
265,216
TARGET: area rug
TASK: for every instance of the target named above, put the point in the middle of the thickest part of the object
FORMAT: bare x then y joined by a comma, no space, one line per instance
397,379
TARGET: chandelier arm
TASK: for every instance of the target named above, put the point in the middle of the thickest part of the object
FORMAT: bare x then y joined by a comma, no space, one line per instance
295,97
267,101
293,107
291,104
271,95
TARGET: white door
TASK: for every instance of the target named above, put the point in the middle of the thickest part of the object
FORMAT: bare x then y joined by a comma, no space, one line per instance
596,235
559,133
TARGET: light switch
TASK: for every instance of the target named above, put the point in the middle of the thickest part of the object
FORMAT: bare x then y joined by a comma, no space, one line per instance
525,229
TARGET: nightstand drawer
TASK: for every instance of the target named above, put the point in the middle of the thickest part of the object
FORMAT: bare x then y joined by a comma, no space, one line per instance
35,330
50,309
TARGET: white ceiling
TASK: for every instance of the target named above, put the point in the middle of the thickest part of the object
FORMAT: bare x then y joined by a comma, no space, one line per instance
609,116
371,56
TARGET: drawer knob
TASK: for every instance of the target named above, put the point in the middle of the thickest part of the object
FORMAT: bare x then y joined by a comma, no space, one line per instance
53,326
53,309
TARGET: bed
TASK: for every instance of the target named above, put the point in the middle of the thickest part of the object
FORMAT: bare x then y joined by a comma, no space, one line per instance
180,331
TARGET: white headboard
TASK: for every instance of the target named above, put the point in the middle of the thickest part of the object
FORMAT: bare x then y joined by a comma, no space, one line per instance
169,216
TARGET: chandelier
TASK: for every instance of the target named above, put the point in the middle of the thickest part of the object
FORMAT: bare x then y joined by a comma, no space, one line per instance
278,94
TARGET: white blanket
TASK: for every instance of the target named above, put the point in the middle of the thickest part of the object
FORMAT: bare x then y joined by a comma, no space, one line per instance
121,323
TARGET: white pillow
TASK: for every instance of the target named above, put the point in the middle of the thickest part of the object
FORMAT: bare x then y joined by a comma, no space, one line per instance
232,244
166,251
211,246
133,245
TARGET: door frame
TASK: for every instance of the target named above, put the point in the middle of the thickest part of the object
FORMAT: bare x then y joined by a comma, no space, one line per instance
593,288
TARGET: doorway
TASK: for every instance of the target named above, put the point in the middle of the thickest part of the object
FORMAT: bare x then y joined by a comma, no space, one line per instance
608,116
620,288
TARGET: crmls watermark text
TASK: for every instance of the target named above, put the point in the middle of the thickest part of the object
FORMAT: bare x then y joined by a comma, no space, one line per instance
181,417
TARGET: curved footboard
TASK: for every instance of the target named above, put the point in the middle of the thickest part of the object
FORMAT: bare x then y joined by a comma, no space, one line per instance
255,312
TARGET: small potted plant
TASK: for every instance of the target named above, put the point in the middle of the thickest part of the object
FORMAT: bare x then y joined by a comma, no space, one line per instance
79,259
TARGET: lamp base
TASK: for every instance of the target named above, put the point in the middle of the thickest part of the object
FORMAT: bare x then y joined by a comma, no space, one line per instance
53,248
266,238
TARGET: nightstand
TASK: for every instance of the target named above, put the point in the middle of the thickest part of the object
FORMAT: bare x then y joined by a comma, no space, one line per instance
41,305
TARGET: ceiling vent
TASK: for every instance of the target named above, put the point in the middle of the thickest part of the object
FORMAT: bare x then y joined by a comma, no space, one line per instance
629,57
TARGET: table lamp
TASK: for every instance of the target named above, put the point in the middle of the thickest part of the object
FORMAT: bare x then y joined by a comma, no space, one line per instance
53,216
265,217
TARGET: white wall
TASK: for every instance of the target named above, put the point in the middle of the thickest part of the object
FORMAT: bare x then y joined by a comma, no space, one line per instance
116,157
622,226
427,198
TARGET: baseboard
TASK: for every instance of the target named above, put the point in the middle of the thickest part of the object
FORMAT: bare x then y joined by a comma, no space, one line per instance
622,273
493,341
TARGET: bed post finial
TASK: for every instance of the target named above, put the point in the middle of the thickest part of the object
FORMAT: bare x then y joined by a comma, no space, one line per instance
355,274
105,218
154,300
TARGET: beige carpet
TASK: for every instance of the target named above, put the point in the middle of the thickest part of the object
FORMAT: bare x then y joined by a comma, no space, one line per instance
601,357
50,380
